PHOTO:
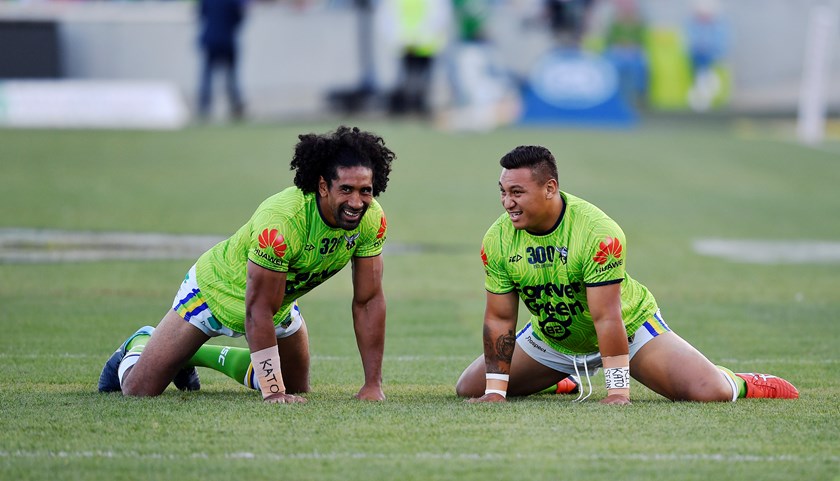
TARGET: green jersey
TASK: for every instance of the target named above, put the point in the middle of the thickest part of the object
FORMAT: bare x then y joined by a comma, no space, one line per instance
287,233
551,272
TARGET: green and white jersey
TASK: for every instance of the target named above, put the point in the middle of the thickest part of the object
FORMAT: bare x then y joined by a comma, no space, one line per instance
550,273
287,233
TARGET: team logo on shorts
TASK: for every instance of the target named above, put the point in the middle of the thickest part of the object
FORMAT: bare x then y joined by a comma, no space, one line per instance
274,240
610,248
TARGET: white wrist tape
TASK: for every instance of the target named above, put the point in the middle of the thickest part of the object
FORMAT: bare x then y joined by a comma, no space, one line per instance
267,371
617,377
496,391
497,383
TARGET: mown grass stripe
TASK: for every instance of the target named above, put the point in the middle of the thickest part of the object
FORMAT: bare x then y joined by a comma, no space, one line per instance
445,456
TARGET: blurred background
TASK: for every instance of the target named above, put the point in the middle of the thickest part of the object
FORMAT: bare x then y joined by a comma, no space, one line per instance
459,64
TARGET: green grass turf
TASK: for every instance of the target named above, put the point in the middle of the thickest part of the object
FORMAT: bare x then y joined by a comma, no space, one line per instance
666,183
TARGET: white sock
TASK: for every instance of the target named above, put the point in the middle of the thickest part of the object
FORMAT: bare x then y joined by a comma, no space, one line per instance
128,361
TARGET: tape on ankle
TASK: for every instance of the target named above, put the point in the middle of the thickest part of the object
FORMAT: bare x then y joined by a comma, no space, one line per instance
497,383
267,369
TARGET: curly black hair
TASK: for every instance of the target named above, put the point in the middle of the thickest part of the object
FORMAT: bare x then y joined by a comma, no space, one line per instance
319,156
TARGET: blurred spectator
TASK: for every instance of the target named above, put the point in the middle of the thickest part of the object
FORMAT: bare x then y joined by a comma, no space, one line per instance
707,37
625,48
219,22
483,94
364,95
470,46
568,20
420,29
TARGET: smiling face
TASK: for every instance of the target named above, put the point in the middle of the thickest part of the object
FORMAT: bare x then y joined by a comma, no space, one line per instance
532,205
345,201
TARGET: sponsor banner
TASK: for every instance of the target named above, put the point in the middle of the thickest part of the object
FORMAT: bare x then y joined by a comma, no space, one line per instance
567,86
91,104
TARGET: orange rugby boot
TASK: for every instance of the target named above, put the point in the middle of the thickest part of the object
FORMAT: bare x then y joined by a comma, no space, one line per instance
767,386
569,385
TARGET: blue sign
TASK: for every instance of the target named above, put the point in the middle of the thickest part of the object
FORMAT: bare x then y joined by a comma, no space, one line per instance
567,86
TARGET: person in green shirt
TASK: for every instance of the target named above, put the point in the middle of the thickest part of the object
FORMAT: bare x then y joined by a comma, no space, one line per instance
249,284
566,260
625,42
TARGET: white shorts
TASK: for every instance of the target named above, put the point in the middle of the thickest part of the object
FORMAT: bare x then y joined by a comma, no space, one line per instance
189,304
546,355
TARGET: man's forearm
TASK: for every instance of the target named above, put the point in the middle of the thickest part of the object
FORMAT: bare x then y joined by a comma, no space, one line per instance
499,342
369,325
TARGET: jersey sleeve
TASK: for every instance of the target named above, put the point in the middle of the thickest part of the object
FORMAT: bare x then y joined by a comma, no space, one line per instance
271,242
375,231
496,279
605,253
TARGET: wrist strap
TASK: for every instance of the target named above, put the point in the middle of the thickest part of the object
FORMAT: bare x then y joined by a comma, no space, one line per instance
266,364
497,383
496,391
617,374
617,378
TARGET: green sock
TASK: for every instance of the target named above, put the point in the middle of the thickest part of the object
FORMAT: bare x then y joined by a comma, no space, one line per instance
133,348
233,362
739,383
137,343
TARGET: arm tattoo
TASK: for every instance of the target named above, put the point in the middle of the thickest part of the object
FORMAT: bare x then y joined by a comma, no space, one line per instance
499,352
488,343
505,344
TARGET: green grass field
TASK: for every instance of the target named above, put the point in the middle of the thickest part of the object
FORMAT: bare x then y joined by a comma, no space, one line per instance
667,183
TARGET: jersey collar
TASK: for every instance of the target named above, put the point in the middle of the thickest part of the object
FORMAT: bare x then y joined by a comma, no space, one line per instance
559,219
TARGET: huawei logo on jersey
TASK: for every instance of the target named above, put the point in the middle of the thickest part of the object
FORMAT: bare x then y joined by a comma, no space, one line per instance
271,238
610,247
383,226
483,256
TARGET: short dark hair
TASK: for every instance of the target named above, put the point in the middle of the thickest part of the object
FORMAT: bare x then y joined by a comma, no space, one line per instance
320,155
537,158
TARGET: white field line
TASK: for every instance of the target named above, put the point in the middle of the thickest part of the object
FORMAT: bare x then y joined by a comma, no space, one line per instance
319,358
26,246
50,245
421,456
756,251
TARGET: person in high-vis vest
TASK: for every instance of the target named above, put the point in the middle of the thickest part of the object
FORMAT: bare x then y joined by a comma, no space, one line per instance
420,28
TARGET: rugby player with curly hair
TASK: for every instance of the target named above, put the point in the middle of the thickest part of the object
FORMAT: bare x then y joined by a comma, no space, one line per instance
249,284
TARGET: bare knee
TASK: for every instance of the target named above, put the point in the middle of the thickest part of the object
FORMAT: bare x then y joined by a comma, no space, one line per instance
470,384
139,392
135,387
673,368
459,389
171,345
462,389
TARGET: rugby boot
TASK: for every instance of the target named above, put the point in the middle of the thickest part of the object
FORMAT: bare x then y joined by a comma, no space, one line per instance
569,385
187,379
109,380
768,386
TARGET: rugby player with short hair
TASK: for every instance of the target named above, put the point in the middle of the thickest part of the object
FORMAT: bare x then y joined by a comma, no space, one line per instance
566,261
249,284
